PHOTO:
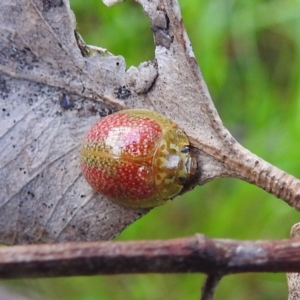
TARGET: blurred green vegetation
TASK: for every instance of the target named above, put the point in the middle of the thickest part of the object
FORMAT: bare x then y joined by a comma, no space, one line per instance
249,53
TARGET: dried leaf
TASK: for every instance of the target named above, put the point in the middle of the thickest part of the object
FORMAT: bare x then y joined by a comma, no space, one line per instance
49,97
53,87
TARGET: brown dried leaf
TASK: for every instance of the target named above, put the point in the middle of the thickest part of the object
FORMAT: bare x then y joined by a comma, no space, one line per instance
47,89
53,87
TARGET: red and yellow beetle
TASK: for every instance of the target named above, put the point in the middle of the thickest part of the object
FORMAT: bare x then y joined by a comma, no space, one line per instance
137,158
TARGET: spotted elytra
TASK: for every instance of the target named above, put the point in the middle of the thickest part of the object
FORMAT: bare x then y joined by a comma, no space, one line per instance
137,158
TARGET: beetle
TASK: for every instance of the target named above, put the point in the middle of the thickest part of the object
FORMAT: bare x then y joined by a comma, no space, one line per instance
137,158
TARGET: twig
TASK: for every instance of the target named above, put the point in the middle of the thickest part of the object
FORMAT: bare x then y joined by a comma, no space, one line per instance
209,286
294,278
192,254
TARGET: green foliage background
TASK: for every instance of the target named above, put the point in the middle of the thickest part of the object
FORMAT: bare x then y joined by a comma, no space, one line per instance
249,53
